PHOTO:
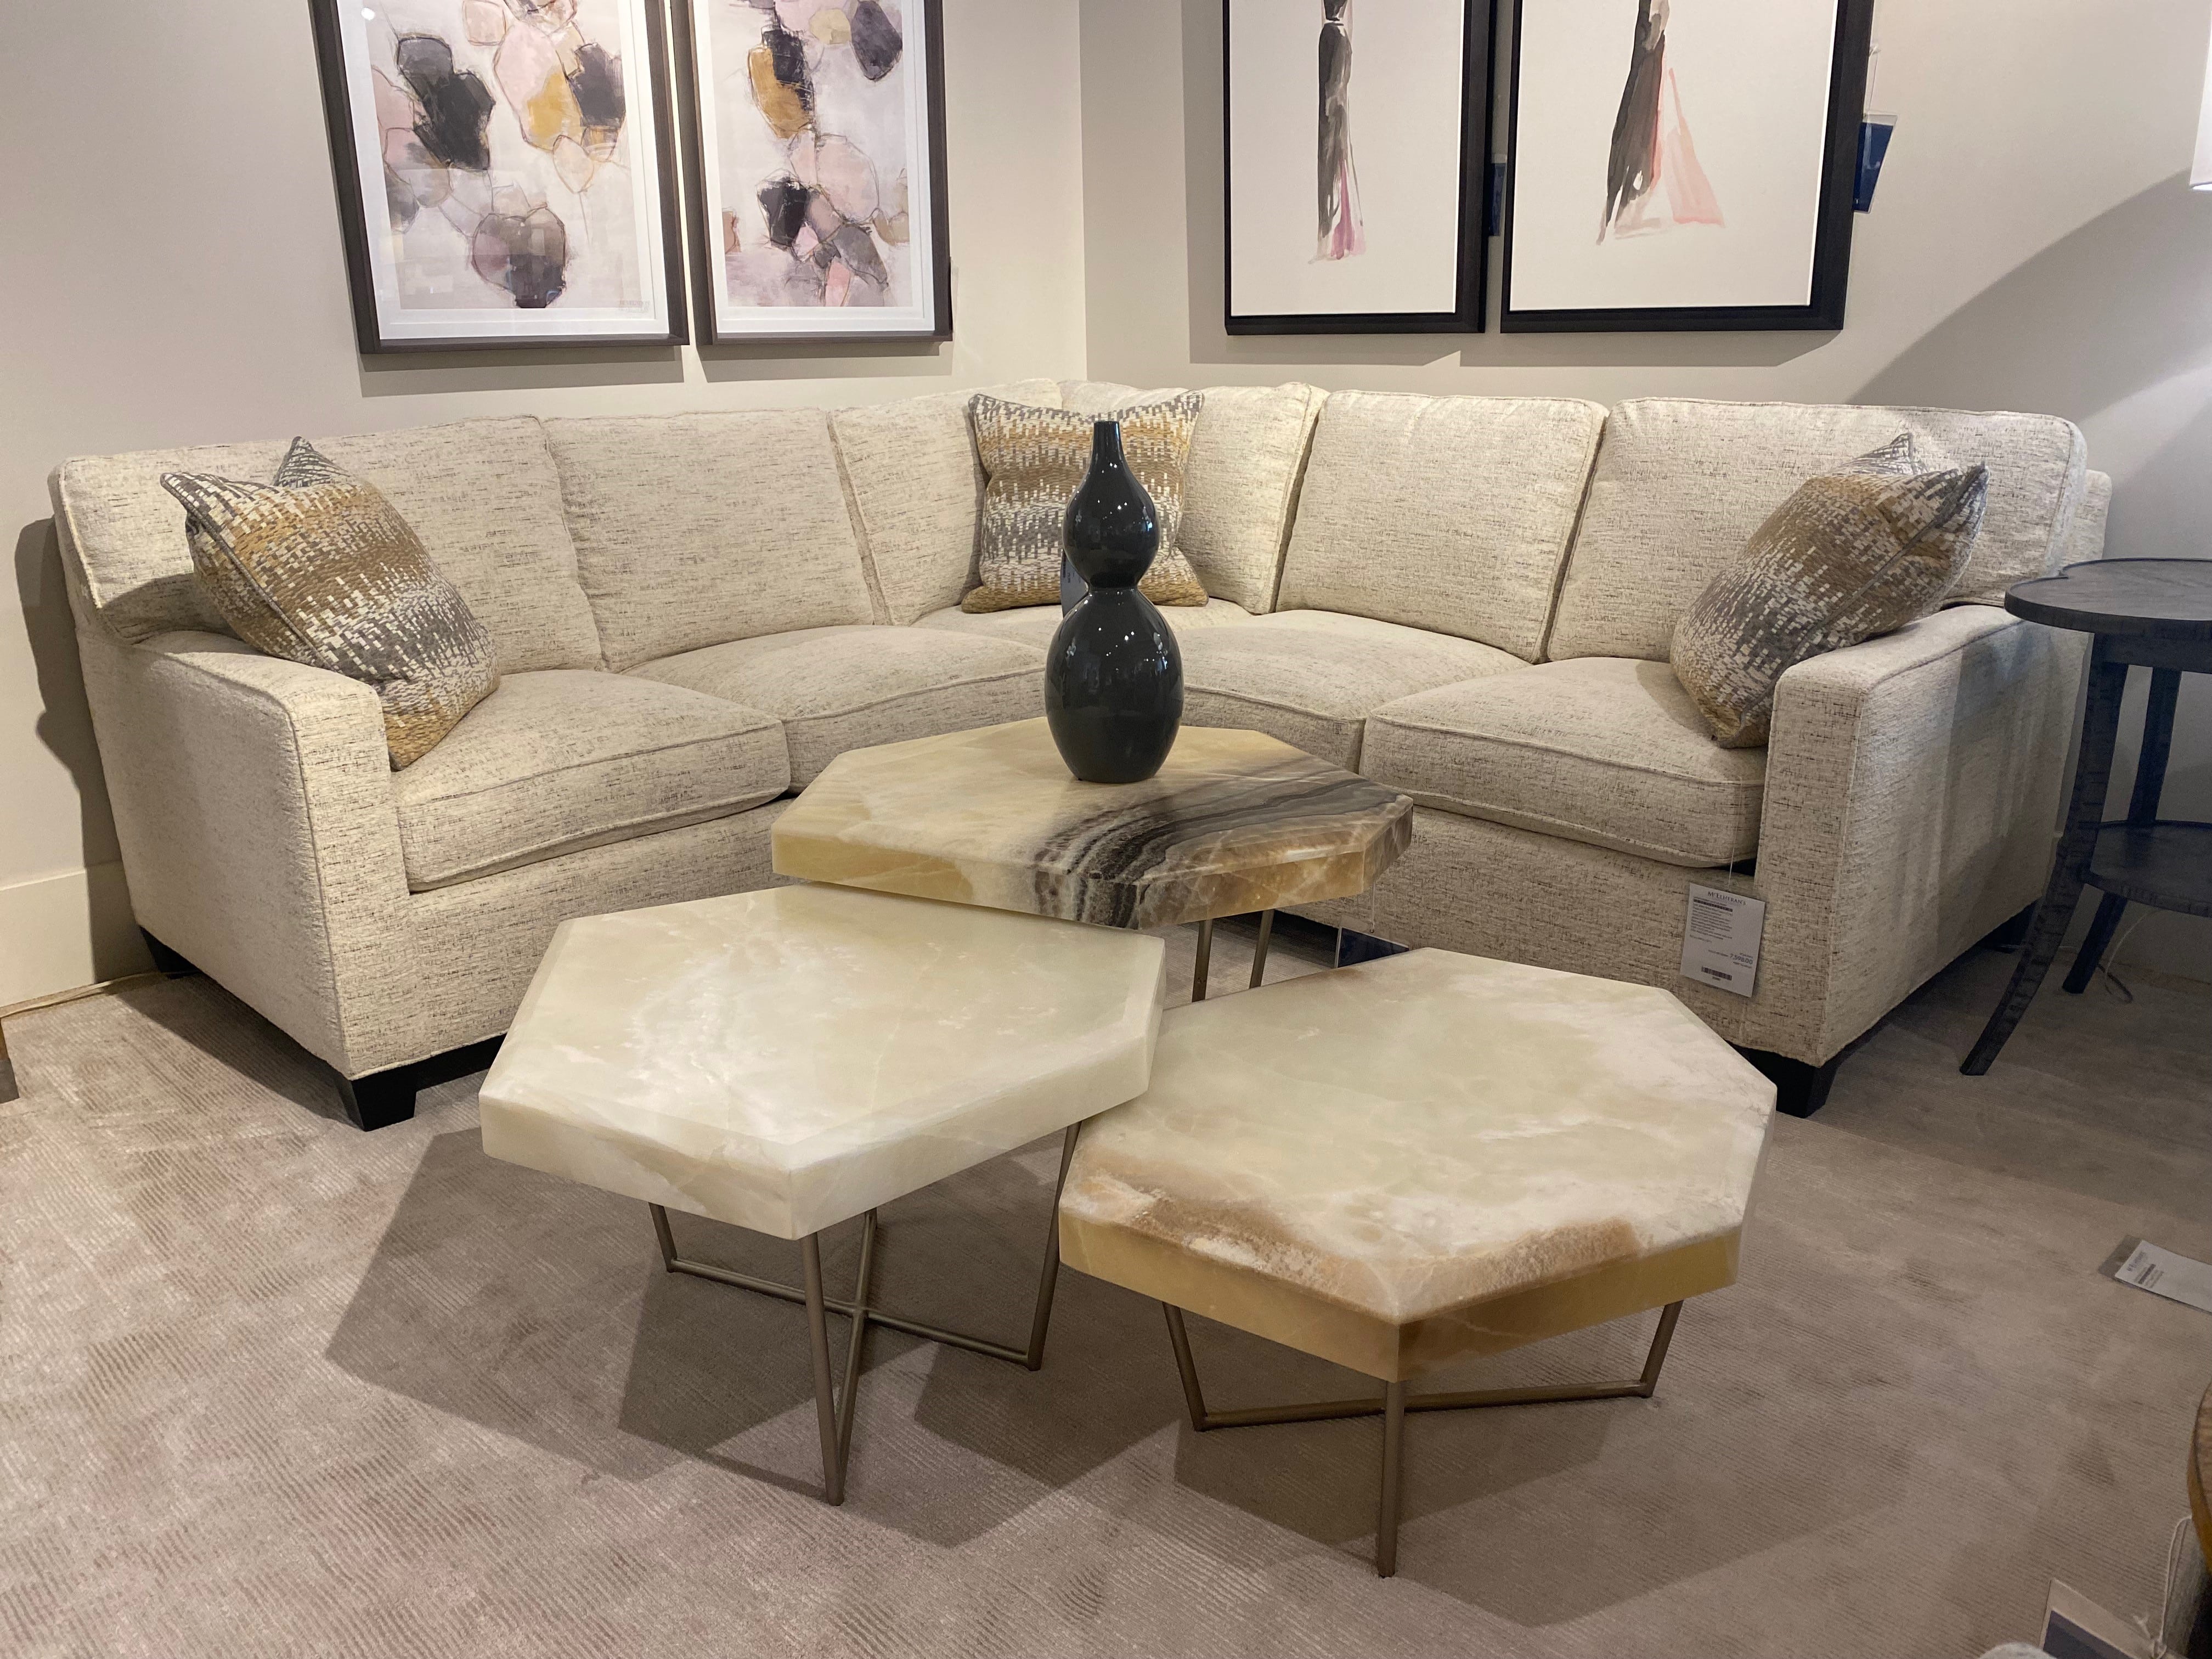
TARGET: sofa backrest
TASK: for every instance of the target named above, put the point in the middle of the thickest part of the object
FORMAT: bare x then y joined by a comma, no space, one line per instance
1681,485
695,529
1448,514
1240,493
482,496
917,491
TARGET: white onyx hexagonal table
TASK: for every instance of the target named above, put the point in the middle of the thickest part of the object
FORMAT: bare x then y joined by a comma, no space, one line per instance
788,1059
1431,1156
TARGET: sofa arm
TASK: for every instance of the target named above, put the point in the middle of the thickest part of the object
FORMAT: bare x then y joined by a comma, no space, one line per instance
1912,787
255,804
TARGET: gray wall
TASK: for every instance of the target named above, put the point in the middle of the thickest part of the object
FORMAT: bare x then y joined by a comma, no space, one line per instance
171,273
2033,245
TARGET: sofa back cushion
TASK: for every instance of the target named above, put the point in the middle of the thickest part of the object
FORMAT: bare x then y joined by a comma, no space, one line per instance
1681,484
694,530
1104,396
1240,483
917,490
482,497
1448,514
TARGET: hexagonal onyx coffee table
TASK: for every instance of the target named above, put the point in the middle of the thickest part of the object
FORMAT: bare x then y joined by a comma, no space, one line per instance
786,1059
1432,1155
1235,821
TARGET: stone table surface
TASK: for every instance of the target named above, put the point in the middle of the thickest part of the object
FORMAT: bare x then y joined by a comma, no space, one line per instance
784,1060
1431,1155
1235,822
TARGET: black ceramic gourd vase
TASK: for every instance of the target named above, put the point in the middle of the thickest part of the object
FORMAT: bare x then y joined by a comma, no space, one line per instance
1112,682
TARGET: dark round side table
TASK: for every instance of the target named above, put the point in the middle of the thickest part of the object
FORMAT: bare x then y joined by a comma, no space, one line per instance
2148,613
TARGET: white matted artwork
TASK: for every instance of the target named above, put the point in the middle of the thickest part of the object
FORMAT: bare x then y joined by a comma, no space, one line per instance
504,171
815,134
1357,144
1682,163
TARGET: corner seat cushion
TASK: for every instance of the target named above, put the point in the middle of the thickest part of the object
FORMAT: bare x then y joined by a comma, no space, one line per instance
1609,750
836,689
1310,677
1035,624
559,760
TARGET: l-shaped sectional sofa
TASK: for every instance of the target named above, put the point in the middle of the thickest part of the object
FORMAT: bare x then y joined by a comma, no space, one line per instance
1468,598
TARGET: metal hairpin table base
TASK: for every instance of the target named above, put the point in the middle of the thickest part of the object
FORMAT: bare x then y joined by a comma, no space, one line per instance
1394,1405
1202,968
833,1404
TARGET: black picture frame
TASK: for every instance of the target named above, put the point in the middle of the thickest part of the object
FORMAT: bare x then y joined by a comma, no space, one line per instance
702,245
324,17
1476,102
1823,311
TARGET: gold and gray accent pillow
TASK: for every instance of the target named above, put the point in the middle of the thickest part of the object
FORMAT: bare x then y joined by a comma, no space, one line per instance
317,567
1860,551
1035,460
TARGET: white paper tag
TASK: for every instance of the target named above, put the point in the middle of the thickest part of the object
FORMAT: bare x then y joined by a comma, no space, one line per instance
2178,1278
1720,940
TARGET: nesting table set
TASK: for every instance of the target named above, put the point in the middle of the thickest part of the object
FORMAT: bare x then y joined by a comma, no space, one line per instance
1390,1166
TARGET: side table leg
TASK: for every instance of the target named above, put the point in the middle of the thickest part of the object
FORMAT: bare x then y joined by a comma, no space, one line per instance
1393,1464
2093,775
2110,908
1198,973
1048,1274
825,1403
1260,956
2143,808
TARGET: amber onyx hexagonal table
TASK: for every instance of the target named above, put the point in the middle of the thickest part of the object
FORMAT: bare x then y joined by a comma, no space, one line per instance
786,1059
1235,821
1428,1156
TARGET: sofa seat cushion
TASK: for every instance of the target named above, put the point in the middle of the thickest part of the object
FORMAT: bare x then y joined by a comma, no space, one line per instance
836,689
562,759
1035,624
1311,677
1609,750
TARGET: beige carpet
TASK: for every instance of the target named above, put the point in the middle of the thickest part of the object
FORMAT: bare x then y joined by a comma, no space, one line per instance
269,1386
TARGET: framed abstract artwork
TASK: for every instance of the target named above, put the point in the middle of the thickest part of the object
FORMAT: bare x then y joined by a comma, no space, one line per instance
1356,141
1682,164
505,170
814,134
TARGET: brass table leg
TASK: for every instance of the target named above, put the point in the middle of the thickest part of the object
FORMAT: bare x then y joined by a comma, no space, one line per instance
1394,1405
835,1407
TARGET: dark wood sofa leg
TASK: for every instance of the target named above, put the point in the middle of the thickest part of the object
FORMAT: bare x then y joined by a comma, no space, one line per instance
380,1100
2008,935
1801,1088
384,1098
166,961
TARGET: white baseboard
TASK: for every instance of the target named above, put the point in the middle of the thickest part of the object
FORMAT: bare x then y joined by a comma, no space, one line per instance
57,933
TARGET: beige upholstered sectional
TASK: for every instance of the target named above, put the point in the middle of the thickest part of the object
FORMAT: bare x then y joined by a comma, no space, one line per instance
1469,598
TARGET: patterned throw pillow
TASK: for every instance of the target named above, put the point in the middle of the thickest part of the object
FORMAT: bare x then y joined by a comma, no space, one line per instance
1036,459
1860,551
317,567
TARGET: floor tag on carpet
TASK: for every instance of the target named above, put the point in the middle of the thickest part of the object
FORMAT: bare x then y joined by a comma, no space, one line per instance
2075,1627
1720,940
2176,1277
